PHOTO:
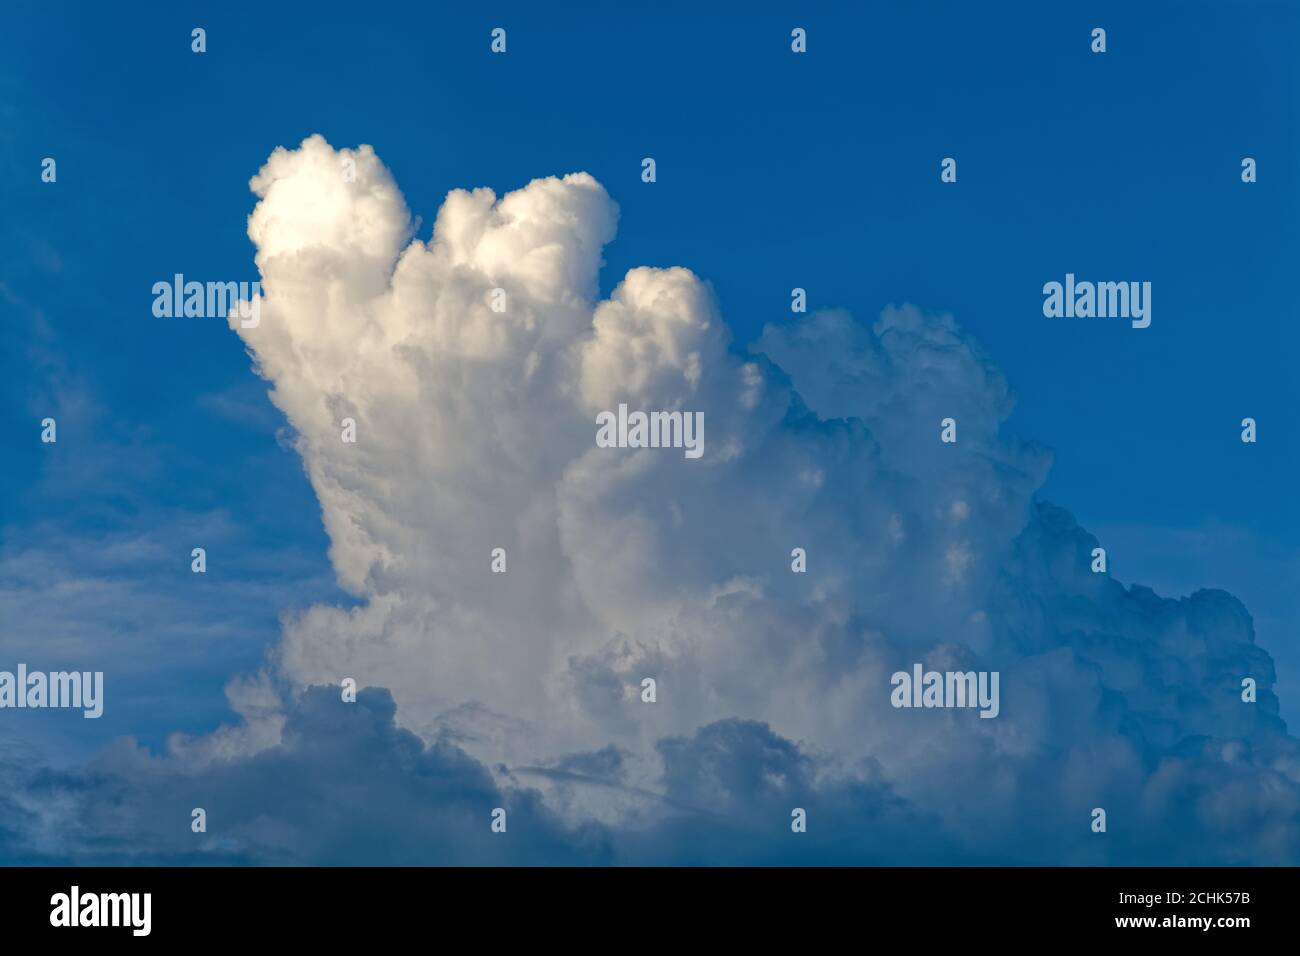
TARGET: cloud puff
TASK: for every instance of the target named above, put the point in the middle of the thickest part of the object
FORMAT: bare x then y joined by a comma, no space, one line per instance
475,430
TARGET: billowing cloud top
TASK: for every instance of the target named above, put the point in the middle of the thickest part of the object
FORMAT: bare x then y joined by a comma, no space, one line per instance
475,430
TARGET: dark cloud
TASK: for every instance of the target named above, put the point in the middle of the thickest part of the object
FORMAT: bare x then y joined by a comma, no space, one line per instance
345,786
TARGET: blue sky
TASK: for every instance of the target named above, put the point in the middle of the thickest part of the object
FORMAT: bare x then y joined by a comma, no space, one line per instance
774,171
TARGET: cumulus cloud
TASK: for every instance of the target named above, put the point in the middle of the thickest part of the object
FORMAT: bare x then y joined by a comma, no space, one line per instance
475,430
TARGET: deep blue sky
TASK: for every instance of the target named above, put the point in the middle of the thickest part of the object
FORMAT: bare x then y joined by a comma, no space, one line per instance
774,171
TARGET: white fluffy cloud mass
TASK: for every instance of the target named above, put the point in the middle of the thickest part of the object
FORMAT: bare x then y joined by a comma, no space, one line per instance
475,430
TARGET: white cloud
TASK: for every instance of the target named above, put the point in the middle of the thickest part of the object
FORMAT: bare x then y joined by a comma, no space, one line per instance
476,430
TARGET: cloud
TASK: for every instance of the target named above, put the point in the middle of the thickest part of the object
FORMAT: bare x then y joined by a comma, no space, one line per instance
343,785
475,430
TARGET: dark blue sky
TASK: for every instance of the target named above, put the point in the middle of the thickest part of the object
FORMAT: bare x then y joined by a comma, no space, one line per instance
774,171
